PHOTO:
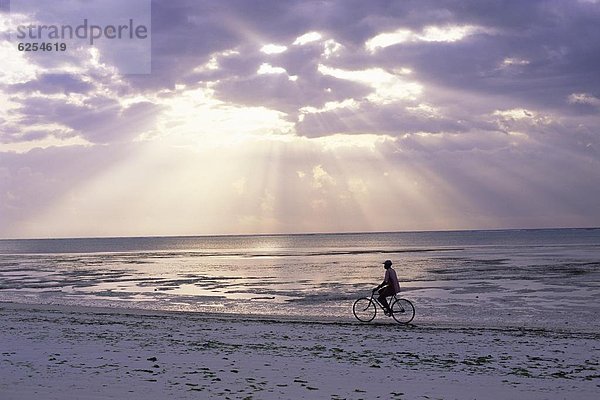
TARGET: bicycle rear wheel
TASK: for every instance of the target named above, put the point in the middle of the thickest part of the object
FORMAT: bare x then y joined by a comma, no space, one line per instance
403,311
364,309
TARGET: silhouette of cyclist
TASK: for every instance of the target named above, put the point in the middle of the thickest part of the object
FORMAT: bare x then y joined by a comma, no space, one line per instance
389,287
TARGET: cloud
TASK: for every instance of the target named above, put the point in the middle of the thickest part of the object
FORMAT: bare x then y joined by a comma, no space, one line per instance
428,34
583,98
514,61
308,37
53,83
492,52
487,50
100,120
16,68
290,116
387,87
273,49
350,117
266,68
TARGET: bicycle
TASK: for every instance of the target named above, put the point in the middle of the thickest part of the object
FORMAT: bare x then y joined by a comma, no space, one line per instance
365,309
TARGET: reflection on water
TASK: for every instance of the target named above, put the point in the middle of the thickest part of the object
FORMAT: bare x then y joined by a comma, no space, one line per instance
541,278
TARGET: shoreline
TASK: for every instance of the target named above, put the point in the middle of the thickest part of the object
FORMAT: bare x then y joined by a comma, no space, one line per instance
295,319
88,353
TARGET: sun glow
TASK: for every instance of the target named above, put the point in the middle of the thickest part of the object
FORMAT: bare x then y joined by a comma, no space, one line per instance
15,66
196,117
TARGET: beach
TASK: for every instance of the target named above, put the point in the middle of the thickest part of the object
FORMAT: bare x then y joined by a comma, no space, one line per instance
67,352
499,314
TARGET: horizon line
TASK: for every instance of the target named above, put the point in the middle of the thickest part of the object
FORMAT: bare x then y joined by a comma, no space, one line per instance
302,233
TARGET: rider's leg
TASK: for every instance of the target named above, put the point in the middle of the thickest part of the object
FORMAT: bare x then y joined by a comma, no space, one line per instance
383,293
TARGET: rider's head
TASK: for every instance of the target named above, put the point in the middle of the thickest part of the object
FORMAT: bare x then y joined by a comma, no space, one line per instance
387,264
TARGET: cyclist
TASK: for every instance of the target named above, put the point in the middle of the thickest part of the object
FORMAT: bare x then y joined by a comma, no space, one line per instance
389,287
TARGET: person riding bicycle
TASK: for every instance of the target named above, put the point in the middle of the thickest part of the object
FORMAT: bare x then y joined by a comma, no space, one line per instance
389,287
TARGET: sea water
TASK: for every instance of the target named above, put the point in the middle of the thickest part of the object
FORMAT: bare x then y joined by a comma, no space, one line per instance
548,278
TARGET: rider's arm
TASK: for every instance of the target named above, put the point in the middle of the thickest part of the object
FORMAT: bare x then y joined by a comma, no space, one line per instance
386,279
382,284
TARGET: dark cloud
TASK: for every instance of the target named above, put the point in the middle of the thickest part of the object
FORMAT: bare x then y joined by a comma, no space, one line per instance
101,120
557,39
278,92
391,119
53,83
554,45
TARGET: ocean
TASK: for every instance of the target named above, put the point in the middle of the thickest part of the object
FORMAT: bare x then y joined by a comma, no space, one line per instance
542,278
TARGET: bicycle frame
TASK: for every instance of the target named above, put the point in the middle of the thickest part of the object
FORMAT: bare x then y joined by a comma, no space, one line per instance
376,300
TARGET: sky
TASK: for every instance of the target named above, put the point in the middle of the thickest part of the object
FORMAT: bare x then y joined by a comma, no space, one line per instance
310,116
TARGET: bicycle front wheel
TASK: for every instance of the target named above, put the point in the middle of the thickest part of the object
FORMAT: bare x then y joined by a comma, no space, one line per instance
403,311
364,309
